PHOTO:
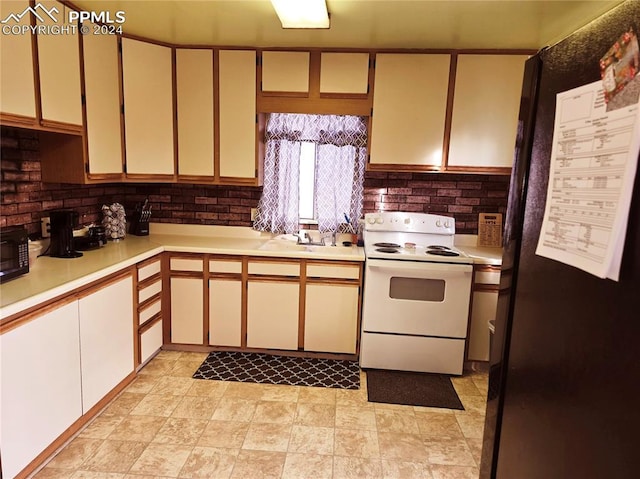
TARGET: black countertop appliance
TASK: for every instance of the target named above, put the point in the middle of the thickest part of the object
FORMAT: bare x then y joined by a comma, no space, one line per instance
62,223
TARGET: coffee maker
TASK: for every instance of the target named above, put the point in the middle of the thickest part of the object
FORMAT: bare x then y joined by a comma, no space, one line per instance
62,223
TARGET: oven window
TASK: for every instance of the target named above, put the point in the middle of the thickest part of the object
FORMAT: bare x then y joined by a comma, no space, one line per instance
417,289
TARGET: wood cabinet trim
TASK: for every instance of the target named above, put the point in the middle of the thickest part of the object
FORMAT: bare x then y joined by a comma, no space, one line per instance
166,298
186,274
18,319
259,278
147,303
487,170
302,302
205,298
245,299
216,116
329,281
143,328
61,127
11,119
142,284
453,66
487,268
279,352
106,281
149,261
408,168
487,288
225,276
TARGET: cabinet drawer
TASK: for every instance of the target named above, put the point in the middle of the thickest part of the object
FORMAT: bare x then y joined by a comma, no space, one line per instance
148,270
278,269
150,341
487,277
182,264
333,271
150,311
149,291
219,266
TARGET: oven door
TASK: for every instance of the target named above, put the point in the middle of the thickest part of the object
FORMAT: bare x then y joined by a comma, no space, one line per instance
417,298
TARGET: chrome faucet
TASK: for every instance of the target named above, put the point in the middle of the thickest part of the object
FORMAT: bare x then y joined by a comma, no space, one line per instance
306,240
333,235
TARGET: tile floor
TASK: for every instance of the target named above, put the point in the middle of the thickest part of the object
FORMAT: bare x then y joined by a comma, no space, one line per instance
167,425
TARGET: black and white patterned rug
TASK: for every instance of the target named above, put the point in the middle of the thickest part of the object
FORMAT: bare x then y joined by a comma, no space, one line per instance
268,369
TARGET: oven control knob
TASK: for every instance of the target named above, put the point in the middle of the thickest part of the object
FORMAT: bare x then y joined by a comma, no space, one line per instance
447,224
379,221
407,221
371,220
439,223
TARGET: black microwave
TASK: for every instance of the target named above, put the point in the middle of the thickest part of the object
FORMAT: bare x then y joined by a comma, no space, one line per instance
14,253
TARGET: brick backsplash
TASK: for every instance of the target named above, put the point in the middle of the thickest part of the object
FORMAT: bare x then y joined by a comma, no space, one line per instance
25,199
462,196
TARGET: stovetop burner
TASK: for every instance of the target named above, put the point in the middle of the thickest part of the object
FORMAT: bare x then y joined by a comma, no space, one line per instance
442,252
387,250
438,247
386,245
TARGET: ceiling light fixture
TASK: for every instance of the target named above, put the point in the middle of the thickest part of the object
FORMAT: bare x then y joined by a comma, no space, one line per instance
302,13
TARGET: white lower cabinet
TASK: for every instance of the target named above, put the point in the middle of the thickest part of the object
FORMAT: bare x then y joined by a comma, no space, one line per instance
41,389
57,366
150,341
225,312
106,339
331,318
483,310
272,314
187,310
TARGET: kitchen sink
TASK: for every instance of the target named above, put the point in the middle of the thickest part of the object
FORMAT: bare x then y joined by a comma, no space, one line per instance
282,245
285,245
330,250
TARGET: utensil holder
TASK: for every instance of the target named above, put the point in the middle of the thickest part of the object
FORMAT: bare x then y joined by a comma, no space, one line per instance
140,222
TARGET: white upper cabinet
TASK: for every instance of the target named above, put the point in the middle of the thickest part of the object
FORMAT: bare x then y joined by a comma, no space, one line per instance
344,73
237,120
285,72
17,86
409,109
59,64
148,107
194,90
102,93
485,110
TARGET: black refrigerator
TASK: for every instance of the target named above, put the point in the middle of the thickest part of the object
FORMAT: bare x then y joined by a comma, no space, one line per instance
564,380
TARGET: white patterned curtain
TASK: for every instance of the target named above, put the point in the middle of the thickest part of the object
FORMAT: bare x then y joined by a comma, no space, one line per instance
341,145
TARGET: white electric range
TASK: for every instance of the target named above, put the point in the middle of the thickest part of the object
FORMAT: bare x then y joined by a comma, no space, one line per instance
417,290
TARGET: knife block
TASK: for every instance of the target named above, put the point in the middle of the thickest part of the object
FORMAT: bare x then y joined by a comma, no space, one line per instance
140,223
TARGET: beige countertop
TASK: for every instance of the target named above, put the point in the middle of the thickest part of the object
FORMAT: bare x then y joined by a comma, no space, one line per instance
53,277
49,278
483,254
480,254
